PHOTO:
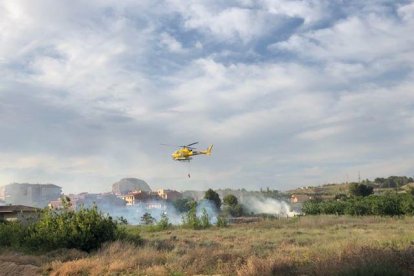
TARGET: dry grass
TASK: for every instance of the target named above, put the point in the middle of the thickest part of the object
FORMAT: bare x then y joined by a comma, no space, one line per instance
323,245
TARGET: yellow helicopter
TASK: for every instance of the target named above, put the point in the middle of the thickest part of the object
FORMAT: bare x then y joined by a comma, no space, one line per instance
186,152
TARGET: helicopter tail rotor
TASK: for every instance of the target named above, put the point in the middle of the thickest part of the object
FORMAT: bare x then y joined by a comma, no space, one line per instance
208,151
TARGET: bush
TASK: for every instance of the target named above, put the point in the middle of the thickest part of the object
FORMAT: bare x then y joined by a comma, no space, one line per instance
85,229
234,211
164,223
221,222
190,220
205,220
11,234
357,207
388,205
311,207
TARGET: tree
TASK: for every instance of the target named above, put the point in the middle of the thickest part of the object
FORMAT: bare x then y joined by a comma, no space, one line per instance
205,220
183,205
232,206
147,219
214,197
356,189
164,222
230,200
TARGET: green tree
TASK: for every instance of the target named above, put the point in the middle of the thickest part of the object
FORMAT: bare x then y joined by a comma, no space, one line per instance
190,219
213,197
147,219
183,205
205,220
230,200
164,222
356,189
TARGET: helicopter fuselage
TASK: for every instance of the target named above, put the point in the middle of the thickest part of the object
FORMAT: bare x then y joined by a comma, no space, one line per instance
185,153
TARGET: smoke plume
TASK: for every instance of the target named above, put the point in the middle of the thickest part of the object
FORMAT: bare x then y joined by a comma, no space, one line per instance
271,206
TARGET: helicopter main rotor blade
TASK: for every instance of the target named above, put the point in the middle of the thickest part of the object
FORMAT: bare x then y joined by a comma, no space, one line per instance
168,145
191,144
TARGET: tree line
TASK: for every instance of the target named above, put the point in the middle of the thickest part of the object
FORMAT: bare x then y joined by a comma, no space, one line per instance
389,204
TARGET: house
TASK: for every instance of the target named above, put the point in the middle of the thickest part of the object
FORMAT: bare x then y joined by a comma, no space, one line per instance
170,195
140,196
18,212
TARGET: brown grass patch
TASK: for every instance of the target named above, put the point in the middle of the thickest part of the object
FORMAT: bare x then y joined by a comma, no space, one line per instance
321,245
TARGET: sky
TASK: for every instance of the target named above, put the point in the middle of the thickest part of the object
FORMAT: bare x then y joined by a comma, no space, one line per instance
291,93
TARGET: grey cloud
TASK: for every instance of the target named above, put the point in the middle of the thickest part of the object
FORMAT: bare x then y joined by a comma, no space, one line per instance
89,93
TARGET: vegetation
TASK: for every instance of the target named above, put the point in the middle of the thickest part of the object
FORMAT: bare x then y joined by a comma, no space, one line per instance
84,229
164,222
190,219
390,204
147,219
232,206
356,189
183,205
213,197
393,181
230,200
222,222
357,246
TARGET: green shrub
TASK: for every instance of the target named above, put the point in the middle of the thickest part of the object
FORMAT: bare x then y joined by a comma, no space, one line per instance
221,222
164,223
390,204
311,207
11,234
205,220
84,229
190,219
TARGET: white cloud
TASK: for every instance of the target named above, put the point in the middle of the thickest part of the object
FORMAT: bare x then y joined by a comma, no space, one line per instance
359,38
97,86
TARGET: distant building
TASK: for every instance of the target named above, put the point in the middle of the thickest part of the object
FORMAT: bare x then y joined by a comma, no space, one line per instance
35,195
102,200
18,212
169,194
136,197
128,185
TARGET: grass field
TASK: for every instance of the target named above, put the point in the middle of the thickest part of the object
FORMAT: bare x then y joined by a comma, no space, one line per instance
320,245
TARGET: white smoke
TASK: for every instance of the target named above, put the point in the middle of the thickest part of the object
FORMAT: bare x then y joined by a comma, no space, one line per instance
134,213
210,209
271,206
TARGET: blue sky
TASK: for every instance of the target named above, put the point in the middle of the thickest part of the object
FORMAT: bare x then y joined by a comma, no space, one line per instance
291,93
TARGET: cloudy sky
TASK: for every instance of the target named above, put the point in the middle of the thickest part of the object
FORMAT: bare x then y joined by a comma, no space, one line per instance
290,93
